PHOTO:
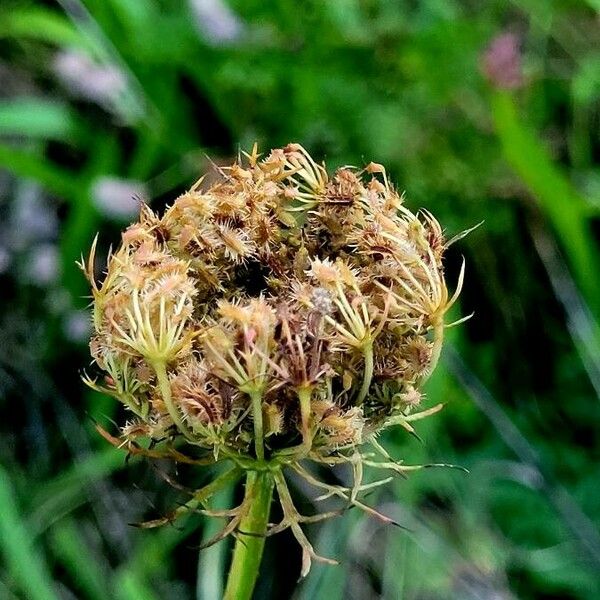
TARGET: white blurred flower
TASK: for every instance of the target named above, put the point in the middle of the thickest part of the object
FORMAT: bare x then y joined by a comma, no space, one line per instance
33,218
118,198
216,21
43,265
77,326
4,259
88,79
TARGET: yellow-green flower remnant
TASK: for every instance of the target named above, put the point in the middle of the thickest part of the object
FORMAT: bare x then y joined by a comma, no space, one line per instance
277,317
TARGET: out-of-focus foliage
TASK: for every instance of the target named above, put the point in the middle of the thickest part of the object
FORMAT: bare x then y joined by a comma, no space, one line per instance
104,100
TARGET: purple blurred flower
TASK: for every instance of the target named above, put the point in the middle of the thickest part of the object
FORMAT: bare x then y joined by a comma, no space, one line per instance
502,62
77,325
33,218
216,21
118,198
43,265
88,79
5,259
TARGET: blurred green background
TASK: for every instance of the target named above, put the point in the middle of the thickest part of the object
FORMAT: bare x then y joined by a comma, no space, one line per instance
481,111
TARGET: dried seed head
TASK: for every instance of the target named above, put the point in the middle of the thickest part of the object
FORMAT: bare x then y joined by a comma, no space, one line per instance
278,314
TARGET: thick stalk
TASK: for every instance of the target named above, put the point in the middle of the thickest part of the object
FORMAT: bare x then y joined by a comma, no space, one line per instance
247,553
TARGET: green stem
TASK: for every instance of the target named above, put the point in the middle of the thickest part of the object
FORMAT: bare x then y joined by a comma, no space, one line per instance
367,374
304,395
165,390
250,543
438,339
257,418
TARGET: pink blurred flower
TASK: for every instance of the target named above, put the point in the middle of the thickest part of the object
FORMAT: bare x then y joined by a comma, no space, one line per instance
502,62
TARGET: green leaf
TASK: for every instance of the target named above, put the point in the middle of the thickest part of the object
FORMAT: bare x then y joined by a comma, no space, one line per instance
129,586
67,491
31,166
40,24
35,118
27,568
72,550
561,203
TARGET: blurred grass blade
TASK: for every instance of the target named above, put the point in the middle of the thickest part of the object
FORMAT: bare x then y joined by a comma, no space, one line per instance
31,166
395,565
134,104
40,24
211,561
154,549
67,491
28,570
584,331
582,527
128,586
558,200
326,581
36,118
81,223
73,552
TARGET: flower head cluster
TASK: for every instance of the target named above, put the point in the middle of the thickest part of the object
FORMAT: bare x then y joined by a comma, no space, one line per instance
277,316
